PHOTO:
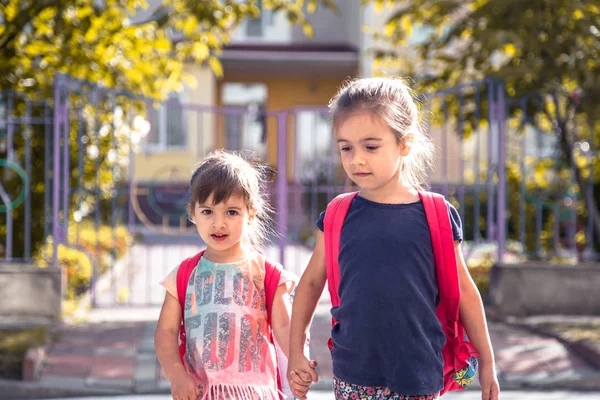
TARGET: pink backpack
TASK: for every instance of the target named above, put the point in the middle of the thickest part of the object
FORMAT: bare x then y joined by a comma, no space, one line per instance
272,277
460,362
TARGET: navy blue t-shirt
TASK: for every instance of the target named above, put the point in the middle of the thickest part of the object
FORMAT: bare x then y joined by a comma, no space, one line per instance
388,333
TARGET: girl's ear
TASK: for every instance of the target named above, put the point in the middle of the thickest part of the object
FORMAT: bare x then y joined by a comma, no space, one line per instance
251,215
191,214
406,144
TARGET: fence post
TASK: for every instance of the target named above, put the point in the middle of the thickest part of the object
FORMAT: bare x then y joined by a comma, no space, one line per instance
501,214
282,192
490,223
56,168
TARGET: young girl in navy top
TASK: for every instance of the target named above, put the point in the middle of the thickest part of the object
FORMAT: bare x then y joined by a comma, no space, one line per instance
388,341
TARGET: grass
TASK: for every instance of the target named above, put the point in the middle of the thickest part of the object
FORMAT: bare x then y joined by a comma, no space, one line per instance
578,332
13,346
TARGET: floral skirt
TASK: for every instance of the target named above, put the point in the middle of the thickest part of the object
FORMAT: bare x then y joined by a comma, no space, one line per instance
345,390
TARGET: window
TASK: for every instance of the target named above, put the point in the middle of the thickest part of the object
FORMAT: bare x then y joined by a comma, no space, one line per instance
313,143
168,125
255,27
268,27
245,126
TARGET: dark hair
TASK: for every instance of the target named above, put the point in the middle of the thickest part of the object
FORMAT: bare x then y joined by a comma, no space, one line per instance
391,100
223,174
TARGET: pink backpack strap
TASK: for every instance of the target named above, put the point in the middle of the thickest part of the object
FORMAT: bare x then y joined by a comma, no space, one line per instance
442,240
272,278
334,220
335,215
183,277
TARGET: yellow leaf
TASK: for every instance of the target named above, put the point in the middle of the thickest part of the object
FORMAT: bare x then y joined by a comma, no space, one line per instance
478,4
578,14
83,12
466,34
406,25
510,50
190,25
189,80
11,10
590,64
216,66
162,44
47,13
389,28
580,238
308,30
200,51
312,6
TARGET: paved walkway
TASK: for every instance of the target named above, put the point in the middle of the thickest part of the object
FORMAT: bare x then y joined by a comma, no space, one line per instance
110,354
467,395
113,352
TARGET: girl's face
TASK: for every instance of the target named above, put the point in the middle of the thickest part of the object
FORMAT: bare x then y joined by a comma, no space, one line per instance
370,152
223,226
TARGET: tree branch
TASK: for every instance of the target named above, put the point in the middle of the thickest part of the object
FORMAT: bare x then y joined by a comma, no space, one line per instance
24,17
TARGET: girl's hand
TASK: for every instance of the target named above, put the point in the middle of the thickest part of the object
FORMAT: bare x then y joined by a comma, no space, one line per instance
183,387
301,374
490,390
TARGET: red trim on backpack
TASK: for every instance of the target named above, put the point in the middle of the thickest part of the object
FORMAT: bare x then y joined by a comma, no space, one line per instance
183,277
334,220
456,351
271,282
272,278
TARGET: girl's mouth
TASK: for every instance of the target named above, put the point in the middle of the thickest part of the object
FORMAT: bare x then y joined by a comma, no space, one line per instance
218,237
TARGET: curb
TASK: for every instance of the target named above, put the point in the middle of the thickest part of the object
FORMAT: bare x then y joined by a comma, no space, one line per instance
32,363
585,349
12,390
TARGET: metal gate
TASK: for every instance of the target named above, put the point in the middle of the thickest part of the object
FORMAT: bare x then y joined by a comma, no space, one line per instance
116,169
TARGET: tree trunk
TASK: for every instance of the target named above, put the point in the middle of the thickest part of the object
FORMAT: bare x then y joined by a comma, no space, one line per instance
585,188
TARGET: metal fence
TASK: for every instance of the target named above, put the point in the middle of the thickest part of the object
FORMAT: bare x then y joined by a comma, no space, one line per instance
87,183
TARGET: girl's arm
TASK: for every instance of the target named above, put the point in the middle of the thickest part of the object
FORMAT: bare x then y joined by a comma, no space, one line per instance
307,297
282,310
167,350
472,315
300,370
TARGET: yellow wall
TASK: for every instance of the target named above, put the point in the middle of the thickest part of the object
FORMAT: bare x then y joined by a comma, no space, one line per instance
200,135
164,166
284,94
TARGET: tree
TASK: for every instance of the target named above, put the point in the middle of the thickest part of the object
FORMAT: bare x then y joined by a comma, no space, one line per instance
138,46
550,48
122,43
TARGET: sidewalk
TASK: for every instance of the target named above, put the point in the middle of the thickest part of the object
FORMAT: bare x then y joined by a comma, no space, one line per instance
110,354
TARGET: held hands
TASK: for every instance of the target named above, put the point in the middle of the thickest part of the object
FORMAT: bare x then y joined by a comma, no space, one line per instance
183,387
490,390
301,374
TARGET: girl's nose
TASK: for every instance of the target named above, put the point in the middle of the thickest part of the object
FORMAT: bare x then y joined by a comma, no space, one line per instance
357,160
218,223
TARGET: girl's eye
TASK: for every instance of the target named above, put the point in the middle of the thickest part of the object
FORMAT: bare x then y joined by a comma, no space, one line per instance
372,148
232,212
345,149
206,212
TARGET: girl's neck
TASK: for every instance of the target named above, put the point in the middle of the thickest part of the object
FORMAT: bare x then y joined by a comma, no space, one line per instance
235,253
393,192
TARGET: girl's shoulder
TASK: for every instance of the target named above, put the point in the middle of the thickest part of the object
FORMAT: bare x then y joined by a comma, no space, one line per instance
287,277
